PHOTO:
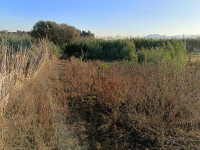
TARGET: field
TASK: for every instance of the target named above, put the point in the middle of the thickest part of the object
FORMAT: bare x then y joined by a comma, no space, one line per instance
103,94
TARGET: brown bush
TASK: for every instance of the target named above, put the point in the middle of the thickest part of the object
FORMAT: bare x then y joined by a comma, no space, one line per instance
35,116
129,106
93,105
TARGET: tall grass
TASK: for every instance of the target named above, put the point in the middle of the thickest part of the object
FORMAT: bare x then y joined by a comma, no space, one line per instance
17,67
35,117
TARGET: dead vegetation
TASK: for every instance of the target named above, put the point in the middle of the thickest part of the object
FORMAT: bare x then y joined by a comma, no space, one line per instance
35,117
93,105
19,65
131,106
23,105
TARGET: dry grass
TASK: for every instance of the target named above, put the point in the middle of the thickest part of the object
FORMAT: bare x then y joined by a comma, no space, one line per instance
129,106
35,117
26,110
91,105
17,66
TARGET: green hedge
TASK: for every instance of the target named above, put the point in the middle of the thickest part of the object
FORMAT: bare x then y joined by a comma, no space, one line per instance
171,52
140,50
103,49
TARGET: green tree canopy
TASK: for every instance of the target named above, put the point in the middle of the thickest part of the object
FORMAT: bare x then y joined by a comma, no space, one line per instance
42,28
57,33
88,34
64,34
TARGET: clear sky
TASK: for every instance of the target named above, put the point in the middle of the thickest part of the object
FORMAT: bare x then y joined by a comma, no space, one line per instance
106,17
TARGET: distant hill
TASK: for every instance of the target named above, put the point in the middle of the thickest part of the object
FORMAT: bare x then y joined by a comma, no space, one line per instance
158,36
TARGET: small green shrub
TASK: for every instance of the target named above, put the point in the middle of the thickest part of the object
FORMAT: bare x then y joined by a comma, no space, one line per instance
94,50
173,52
141,57
54,49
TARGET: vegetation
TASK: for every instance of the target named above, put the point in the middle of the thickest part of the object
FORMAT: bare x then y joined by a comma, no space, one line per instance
151,52
16,40
102,49
119,94
130,106
60,34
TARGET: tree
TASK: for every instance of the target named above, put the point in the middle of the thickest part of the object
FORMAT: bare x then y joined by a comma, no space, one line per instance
58,33
42,28
87,34
64,34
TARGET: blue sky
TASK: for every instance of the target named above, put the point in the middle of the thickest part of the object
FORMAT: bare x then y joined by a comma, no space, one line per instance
106,17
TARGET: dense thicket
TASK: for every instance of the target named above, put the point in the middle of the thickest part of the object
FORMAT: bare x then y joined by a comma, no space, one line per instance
150,43
102,49
191,44
171,51
130,106
146,51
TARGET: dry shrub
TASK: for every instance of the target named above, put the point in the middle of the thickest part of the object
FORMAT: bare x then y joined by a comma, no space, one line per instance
93,105
130,106
28,119
35,117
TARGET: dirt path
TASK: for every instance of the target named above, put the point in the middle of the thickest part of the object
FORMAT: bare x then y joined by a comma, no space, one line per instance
51,79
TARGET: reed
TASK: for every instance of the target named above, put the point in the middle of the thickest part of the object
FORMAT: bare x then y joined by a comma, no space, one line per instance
16,68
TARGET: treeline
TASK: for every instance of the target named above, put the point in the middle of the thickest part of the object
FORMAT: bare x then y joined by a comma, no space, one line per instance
59,34
70,41
18,33
84,45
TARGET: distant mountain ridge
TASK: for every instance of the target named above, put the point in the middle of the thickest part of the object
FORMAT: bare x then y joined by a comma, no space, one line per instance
158,36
